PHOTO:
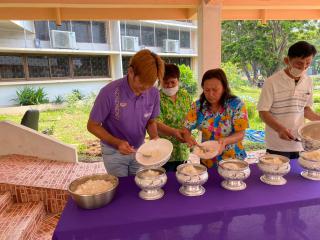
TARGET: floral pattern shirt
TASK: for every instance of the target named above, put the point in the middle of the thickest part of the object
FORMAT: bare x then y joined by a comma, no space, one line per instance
231,118
173,114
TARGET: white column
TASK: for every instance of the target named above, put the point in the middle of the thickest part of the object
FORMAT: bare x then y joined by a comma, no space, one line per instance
209,37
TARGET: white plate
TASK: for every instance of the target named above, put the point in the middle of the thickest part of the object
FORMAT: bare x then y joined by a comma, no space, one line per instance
159,150
212,146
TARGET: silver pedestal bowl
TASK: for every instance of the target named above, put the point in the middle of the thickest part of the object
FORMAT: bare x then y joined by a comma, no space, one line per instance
192,176
309,135
151,181
274,167
234,171
310,165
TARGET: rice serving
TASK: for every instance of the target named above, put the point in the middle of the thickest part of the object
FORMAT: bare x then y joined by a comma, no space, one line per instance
314,155
190,170
231,166
273,160
91,187
154,157
150,173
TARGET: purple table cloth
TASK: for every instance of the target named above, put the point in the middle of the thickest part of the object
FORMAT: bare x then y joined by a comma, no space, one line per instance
261,211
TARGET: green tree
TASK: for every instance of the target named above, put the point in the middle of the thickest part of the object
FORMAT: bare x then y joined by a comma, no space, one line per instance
187,80
258,49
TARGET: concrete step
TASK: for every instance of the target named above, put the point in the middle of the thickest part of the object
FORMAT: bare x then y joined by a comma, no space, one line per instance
19,221
5,200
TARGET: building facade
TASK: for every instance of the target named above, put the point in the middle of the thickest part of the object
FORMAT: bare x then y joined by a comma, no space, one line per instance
84,55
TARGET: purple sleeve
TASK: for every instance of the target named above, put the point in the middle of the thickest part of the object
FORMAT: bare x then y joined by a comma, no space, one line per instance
156,109
101,108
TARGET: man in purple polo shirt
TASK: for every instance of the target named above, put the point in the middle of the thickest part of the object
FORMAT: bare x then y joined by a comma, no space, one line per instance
124,110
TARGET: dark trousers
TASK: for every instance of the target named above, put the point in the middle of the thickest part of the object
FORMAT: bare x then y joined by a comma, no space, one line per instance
290,155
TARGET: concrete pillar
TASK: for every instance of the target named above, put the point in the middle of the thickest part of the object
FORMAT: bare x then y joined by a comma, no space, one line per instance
209,37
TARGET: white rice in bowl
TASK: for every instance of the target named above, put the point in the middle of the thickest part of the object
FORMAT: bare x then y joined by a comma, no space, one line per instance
150,173
314,155
91,187
190,170
273,160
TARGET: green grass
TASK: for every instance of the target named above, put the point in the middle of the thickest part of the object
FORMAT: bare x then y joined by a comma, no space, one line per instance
69,124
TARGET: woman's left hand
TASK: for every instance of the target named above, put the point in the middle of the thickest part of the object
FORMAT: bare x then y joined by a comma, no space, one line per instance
222,145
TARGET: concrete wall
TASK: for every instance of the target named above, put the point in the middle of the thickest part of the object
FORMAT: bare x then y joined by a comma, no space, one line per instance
52,88
18,139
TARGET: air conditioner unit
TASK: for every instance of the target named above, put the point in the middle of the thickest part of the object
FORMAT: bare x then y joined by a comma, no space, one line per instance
171,46
63,39
130,43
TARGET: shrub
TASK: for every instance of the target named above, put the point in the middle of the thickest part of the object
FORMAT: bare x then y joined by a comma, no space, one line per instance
77,94
74,97
187,80
58,99
31,96
233,75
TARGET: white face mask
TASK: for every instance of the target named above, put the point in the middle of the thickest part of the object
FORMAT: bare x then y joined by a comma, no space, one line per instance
170,91
296,72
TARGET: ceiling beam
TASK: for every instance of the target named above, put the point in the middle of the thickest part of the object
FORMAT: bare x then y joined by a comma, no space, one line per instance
101,3
271,14
92,13
270,4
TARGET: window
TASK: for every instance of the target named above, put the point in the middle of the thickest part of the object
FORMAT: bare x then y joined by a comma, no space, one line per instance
184,39
99,32
86,66
133,30
38,67
42,31
81,66
147,36
11,67
125,64
99,66
59,66
82,30
178,60
65,26
173,34
53,66
122,28
161,34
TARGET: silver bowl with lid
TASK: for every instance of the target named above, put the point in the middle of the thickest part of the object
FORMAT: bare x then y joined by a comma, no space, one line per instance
274,167
192,176
96,200
309,134
310,163
151,181
234,171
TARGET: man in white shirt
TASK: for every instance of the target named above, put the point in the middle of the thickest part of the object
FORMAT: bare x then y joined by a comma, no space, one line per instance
286,100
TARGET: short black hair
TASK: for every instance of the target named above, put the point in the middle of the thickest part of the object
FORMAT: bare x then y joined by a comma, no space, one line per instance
302,49
219,74
171,71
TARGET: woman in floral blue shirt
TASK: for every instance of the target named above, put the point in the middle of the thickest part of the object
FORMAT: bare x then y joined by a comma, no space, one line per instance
220,116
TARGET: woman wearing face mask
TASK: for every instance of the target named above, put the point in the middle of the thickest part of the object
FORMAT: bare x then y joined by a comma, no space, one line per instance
174,105
220,116
286,100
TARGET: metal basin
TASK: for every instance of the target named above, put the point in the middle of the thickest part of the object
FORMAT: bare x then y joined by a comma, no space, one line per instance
92,201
